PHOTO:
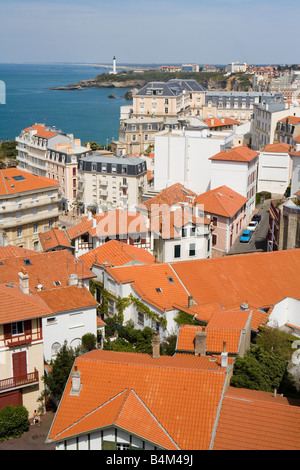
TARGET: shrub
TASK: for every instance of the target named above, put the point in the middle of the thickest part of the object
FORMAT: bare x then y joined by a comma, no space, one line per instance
88,342
13,421
110,327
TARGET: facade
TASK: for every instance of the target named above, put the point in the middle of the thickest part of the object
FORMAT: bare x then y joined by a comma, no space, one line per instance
183,157
136,135
30,204
237,105
287,130
237,169
190,68
235,67
295,180
48,152
274,168
227,210
265,120
110,182
176,98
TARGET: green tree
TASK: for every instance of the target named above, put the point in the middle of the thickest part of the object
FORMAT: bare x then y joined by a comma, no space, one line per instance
88,343
55,381
13,421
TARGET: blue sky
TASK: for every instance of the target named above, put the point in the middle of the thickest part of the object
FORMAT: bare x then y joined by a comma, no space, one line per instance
144,31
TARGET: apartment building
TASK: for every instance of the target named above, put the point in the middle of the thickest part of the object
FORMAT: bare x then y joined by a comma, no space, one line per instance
235,67
274,168
227,211
237,168
49,152
110,182
266,115
288,130
30,204
183,156
238,105
136,135
174,98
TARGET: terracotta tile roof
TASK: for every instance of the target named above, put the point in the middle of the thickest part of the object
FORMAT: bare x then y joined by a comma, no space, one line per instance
186,337
255,420
236,154
54,238
109,224
116,253
16,306
44,268
231,121
68,298
156,284
41,131
100,322
174,194
10,251
213,122
15,181
277,148
259,279
221,201
156,395
293,119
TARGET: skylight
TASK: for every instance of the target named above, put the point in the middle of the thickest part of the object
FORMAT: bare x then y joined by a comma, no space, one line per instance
19,178
27,262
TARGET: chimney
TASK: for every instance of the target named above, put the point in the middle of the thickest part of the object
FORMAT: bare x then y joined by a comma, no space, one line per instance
24,281
89,215
244,306
156,346
94,222
190,301
73,280
224,356
200,343
76,382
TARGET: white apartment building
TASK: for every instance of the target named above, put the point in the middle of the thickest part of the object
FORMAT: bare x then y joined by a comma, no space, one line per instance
48,152
110,181
183,156
237,169
235,67
274,169
295,179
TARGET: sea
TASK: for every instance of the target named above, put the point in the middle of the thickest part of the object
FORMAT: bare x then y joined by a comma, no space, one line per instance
88,114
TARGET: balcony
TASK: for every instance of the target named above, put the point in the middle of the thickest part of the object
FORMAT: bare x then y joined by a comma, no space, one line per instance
19,382
103,182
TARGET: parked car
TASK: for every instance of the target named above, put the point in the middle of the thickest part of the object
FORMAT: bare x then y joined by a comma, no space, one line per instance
246,236
256,217
252,225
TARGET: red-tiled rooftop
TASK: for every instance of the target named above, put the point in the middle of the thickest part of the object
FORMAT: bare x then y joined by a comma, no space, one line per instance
116,253
277,148
172,391
41,131
67,298
15,181
54,238
256,420
236,154
174,194
222,201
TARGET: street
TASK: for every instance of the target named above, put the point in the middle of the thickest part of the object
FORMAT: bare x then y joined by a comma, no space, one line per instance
258,241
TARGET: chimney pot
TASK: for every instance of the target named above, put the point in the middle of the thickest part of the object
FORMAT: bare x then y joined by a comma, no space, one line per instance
76,382
24,281
224,359
244,306
190,301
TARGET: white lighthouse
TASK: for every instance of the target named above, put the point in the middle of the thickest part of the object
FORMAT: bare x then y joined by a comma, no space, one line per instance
114,70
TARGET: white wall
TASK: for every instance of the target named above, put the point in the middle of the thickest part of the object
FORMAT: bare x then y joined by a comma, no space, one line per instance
285,311
70,326
273,172
295,183
184,158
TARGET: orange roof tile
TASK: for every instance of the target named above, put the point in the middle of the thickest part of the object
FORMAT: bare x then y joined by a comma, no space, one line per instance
293,119
16,306
68,298
236,154
186,337
25,182
221,201
174,194
54,238
15,251
156,395
255,420
213,122
277,148
44,268
41,131
116,253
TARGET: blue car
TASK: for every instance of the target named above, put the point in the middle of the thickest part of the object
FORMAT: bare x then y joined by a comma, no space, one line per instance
246,236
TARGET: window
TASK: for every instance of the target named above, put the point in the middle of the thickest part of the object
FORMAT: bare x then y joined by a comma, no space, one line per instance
54,350
158,289
192,250
215,221
177,249
35,228
74,171
214,239
184,232
36,246
193,231
51,321
51,223
123,446
19,233
140,318
17,328
170,279
74,183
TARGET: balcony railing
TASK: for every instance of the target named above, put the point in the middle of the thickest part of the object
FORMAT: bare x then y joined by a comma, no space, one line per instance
18,382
